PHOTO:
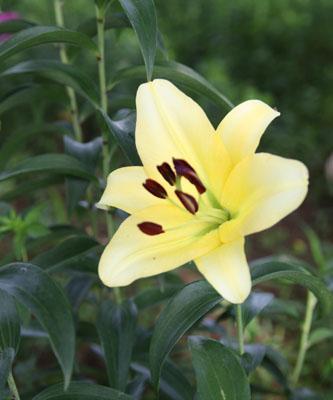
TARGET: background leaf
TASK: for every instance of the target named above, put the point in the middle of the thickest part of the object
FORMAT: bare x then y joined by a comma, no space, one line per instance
181,312
81,391
9,322
38,35
116,328
46,300
49,163
218,371
142,16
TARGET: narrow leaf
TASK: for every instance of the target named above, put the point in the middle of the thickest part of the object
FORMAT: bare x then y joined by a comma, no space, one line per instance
6,360
116,328
9,322
218,371
32,287
58,72
49,163
38,35
142,16
81,391
181,75
181,312
123,132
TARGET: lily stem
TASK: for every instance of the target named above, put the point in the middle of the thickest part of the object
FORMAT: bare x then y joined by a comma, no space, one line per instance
59,16
240,328
304,343
100,19
13,387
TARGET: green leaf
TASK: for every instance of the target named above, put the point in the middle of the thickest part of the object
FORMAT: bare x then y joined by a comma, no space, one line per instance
49,163
198,298
263,271
88,153
34,288
142,16
181,312
123,131
26,187
218,371
6,360
18,139
15,25
181,75
38,35
154,295
116,326
65,74
174,383
253,356
9,322
76,253
81,391
78,288
318,335
254,304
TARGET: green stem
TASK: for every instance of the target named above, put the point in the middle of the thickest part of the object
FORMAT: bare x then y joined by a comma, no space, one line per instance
24,253
59,16
240,328
13,387
306,327
100,19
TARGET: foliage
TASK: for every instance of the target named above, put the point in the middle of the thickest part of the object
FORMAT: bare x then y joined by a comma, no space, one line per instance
68,118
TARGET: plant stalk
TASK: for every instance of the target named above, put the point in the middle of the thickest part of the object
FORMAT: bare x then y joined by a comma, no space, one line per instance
306,328
100,19
240,328
59,16
13,387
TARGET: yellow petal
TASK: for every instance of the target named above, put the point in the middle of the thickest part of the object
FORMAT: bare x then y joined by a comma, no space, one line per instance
131,254
124,190
243,126
226,269
170,124
260,191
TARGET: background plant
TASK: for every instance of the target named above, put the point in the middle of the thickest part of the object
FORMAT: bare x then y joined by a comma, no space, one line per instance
68,115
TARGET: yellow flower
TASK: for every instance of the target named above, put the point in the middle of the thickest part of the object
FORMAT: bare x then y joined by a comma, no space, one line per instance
199,193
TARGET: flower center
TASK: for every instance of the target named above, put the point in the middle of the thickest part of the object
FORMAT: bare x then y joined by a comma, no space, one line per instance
204,209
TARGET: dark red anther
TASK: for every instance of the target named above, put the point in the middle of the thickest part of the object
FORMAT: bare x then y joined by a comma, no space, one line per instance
150,228
183,168
188,201
155,188
166,171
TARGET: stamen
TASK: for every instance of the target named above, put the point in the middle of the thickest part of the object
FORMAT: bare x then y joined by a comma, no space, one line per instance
155,188
188,201
183,168
166,171
150,228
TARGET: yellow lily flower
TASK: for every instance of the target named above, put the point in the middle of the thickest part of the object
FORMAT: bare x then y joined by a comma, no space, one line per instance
199,193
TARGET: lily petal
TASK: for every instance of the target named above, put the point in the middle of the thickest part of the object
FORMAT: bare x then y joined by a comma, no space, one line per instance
227,270
260,191
171,125
124,190
131,254
242,128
